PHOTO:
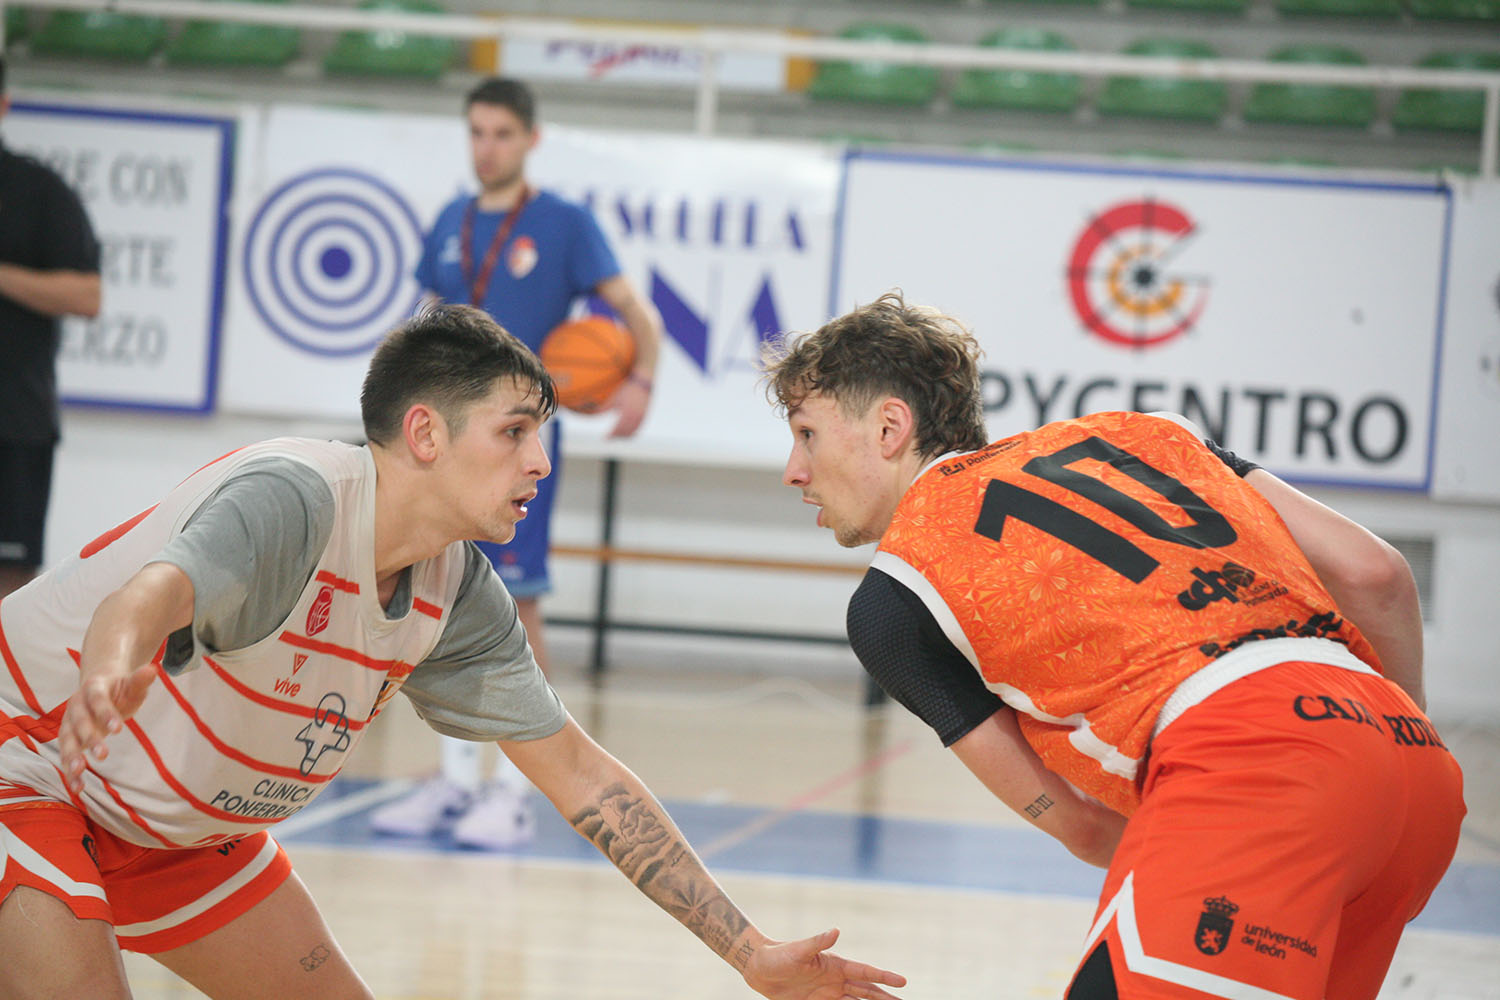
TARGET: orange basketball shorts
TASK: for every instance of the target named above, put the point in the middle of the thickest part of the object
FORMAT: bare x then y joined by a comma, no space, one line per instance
1291,824
156,898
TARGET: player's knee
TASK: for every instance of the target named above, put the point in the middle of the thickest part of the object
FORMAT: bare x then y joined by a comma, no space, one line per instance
1095,979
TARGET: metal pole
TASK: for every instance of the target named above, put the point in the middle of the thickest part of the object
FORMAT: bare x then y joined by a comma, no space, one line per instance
1490,139
706,109
606,539
1092,64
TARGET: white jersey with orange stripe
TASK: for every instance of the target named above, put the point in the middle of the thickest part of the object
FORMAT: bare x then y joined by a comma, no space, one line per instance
235,740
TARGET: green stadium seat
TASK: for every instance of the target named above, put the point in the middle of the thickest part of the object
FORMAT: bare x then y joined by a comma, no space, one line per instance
1021,90
1148,154
1302,162
886,83
855,140
1312,103
15,23
1164,96
228,43
1455,10
1451,110
1209,6
391,53
1339,8
100,35
1468,169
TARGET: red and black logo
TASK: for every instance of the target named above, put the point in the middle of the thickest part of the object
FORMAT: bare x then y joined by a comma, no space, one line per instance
1124,279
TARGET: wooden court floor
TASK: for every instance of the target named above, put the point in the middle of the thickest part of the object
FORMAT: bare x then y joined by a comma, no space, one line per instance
813,811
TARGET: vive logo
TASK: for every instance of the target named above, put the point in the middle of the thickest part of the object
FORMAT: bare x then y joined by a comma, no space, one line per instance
1216,925
1215,585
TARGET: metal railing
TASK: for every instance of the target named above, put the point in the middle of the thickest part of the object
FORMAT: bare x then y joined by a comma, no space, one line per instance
713,43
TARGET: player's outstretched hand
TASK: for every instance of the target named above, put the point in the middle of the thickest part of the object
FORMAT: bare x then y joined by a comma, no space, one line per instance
98,709
807,970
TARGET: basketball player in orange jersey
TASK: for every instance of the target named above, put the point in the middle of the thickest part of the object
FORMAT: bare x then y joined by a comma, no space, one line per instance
1181,667
203,670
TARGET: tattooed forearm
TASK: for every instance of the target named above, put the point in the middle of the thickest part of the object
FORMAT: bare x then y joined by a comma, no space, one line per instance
632,832
629,832
1041,805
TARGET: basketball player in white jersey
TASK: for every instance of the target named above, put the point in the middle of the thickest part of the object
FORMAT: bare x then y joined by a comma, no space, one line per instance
201,671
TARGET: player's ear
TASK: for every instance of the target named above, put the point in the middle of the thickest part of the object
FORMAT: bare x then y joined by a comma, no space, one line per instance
424,431
898,426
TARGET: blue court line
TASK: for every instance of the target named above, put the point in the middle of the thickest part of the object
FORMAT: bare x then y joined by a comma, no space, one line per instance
859,847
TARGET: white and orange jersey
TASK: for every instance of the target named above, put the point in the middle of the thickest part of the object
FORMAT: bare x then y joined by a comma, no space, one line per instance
235,740
1090,567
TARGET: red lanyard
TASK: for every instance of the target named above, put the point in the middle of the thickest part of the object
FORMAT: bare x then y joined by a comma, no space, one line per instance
480,283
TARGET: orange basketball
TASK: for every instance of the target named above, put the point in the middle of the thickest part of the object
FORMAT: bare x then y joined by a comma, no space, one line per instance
588,358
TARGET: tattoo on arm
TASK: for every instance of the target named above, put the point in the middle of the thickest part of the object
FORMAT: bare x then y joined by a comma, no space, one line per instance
316,958
631,831
1041,805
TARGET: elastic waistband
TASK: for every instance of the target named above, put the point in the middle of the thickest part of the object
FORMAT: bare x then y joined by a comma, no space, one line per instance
1251,658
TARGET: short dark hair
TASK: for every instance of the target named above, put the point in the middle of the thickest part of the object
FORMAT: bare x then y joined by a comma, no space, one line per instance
888,348
450,357
507,92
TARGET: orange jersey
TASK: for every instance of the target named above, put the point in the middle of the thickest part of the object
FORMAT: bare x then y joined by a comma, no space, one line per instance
1089,567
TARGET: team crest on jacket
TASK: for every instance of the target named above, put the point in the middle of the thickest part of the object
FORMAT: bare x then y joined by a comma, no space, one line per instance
523,257
319,613
1216,925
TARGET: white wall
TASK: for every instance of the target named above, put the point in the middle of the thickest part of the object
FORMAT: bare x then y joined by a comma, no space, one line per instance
113,464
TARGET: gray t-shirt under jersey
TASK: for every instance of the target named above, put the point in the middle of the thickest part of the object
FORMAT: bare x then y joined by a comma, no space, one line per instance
250,550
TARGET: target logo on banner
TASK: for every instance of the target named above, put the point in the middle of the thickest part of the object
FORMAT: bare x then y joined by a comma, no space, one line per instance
329,260
1123,276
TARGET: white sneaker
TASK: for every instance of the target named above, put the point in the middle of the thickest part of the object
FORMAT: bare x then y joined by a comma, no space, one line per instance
499,818
422,811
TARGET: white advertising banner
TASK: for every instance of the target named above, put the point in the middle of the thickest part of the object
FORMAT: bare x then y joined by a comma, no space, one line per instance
729,239
1298,321
1467,464
155,186
330,208
656,64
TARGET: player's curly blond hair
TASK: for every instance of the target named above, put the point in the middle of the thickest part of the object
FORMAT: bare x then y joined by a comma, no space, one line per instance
887,348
